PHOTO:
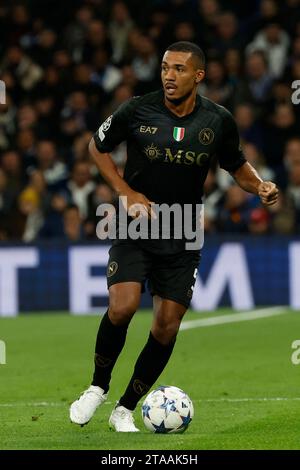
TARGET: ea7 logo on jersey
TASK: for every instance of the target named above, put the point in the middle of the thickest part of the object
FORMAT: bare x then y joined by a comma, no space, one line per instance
104,127
148,129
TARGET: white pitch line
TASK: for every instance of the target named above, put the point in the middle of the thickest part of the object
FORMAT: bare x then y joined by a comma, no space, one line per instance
233,317
41,403
241,400
201,400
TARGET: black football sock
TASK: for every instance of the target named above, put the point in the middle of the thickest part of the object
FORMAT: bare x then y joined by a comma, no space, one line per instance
150,364
109,344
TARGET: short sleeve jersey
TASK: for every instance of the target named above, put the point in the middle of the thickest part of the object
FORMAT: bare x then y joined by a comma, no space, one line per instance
168,157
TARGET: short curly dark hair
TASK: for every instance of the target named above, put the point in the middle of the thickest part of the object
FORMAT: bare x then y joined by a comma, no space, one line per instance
186,46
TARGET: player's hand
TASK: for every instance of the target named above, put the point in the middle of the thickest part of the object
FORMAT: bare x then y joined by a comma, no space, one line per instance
268,193
138,205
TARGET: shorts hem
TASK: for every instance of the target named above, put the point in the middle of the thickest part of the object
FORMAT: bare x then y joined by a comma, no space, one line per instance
172,297
109,284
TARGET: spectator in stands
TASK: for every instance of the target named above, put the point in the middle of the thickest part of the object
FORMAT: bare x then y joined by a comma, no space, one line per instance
185,31
37,182
26,143
250,130
54,170
80,145
145,63
293,188
234,210
105,75
160,29
268,11
77,115
43,48
274,42
256,87
53,226
259,221
96,38
102,194
7,197
282,126
76,31
129,77
292,152
257,160
212,197
12,166
81,186
119,27
27,73
26,117
72,224
8,126
233,66
209,14
283,216
216,86
26,221
122,93
227,32
46,126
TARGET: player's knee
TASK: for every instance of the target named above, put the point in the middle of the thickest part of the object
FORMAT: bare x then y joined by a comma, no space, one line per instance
165,330
121,313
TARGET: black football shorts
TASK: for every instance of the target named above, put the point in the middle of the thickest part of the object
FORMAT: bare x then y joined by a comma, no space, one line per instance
171,276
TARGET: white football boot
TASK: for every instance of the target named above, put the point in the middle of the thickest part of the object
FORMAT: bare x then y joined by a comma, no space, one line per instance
83,409
121,420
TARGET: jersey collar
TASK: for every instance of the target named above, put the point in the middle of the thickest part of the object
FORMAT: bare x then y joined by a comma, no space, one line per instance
181,118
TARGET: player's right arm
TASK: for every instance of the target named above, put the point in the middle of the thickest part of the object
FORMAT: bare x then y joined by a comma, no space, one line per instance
108,170
111,133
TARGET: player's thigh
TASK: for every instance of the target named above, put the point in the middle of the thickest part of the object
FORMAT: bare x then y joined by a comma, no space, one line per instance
126,273
127,263
124,300
173,277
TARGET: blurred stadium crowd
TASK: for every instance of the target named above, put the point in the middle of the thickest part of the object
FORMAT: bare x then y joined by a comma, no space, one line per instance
69,64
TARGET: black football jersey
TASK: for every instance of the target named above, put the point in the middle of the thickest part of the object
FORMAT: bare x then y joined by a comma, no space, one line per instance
168,157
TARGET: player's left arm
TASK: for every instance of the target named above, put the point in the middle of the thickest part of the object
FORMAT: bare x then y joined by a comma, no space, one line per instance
248,179
232,159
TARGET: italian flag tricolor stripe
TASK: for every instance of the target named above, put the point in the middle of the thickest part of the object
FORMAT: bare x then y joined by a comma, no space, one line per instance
178,133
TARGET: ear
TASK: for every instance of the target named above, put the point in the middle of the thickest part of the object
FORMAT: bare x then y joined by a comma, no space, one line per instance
200,74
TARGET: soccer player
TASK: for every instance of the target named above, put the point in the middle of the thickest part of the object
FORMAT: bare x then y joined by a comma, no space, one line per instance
172,137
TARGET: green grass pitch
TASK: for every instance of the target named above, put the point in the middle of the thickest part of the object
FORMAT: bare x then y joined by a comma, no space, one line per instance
240,376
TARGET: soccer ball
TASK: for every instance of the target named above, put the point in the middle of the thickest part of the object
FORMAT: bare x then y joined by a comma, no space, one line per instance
167,409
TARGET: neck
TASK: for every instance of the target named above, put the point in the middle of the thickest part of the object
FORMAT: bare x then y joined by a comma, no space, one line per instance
182,106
